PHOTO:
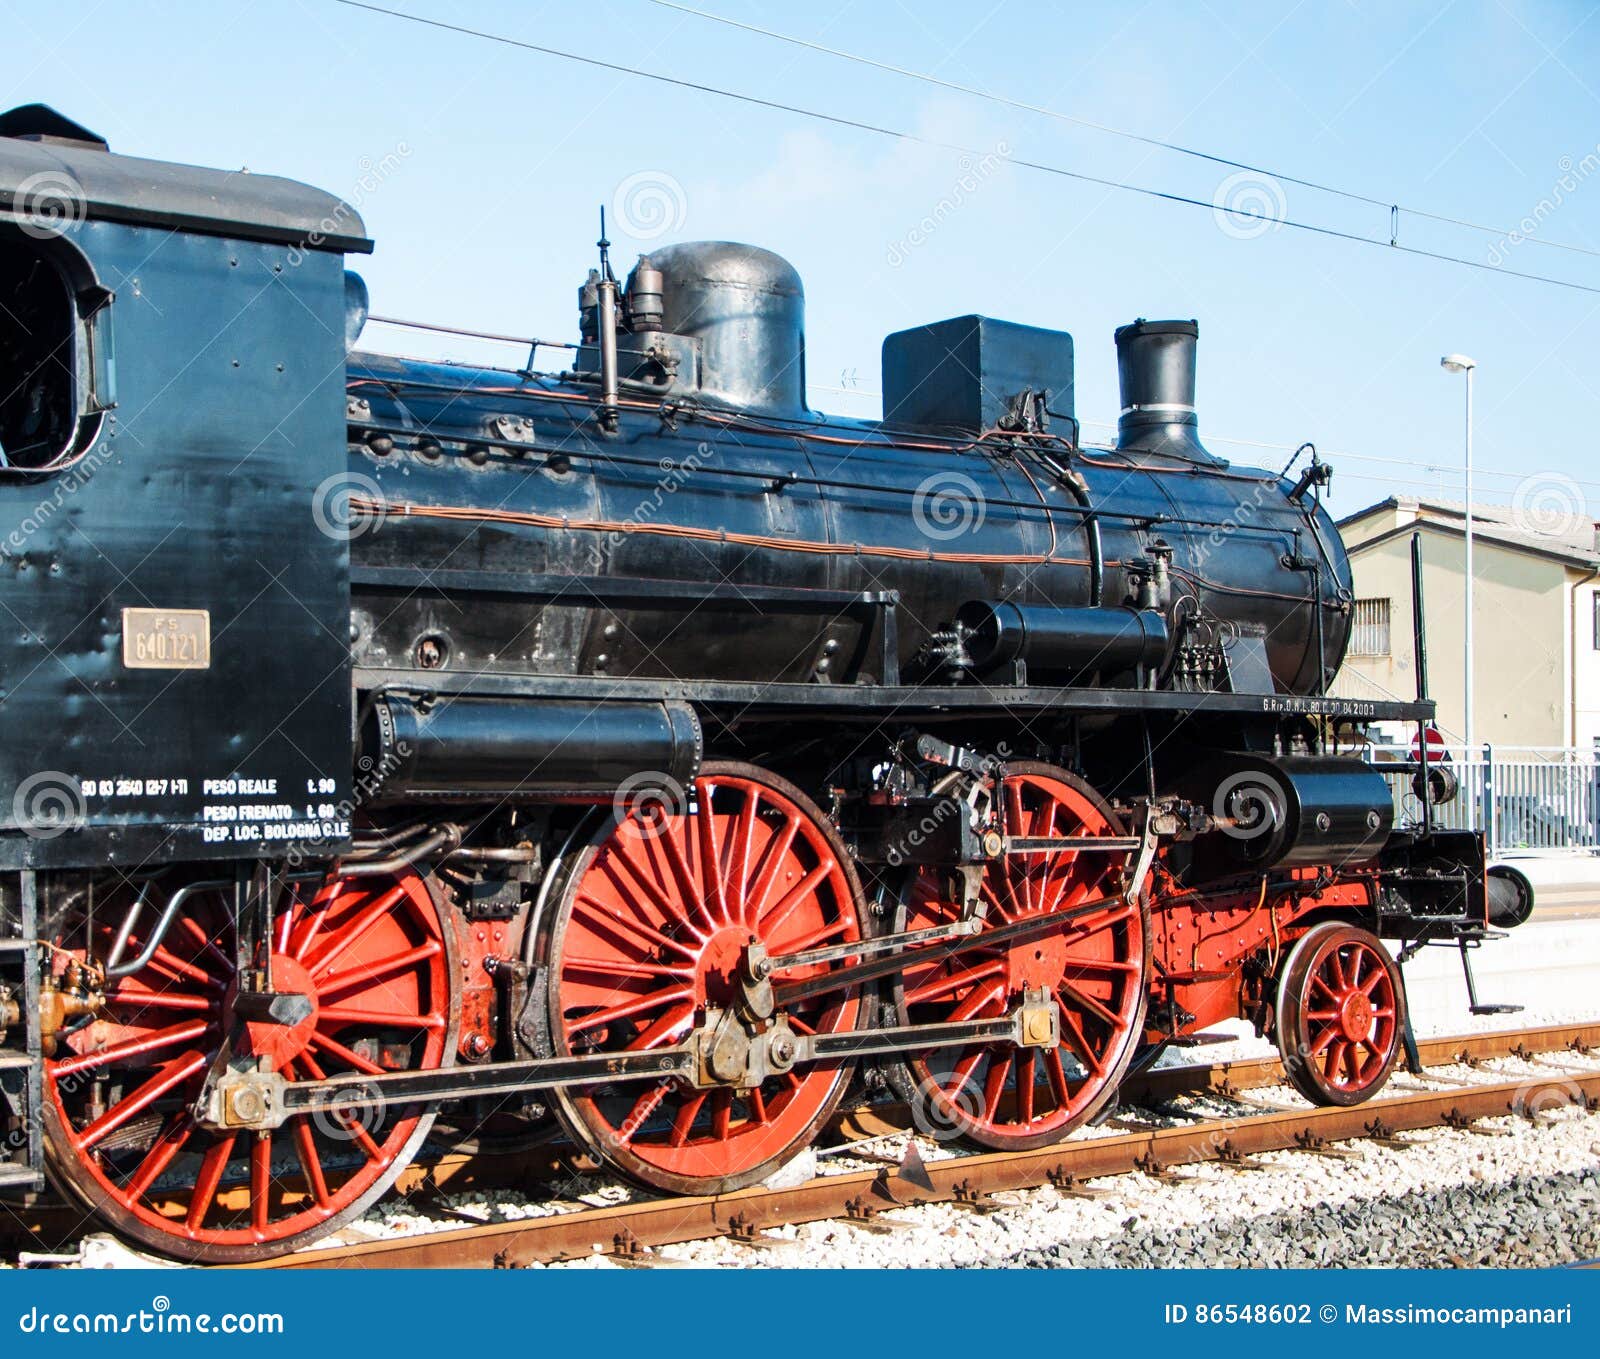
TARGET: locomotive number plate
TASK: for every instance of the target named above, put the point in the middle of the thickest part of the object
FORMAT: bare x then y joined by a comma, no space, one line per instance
166,639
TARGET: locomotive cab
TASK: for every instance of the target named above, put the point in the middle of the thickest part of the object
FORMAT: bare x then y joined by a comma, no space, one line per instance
171,349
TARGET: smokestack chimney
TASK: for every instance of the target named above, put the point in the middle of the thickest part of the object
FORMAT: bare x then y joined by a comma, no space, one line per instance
1155,371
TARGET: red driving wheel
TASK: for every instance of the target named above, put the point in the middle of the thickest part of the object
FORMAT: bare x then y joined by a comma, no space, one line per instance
377,962
1341,1012
1094,969
650,929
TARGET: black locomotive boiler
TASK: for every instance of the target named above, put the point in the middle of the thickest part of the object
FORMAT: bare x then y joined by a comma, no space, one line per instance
633,745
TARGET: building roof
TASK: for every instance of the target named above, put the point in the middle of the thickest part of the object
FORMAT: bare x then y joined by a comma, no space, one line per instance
1547,529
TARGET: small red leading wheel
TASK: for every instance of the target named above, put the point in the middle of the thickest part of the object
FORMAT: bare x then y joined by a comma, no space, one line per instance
378,963
650,929
1094,969
1341,1011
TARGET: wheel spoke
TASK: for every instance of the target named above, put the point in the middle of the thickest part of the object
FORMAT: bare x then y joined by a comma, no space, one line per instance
1025,1080
981,997
772,922
212,1166
721,1113
739,864
939,986
261,1181
1056,1071
174,1137
603,917
162,1038
305,1146
772,861
171,1074
646,880
384,967
1082,1048
163,1000
994,1083
1087,1002
664,1028
710,854
356,931
349,1123
641,1005
351,1014
208,944
322,1043
961,1073
690,893
619,967
683,1122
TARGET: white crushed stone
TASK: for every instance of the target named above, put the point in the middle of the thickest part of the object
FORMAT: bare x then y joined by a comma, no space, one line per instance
1528,1198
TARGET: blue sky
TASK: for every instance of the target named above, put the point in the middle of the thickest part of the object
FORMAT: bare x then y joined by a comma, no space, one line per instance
479,168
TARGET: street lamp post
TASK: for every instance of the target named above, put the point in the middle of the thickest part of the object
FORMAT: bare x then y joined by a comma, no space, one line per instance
1460,363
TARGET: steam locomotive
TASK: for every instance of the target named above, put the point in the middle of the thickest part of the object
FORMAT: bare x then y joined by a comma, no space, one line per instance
634,746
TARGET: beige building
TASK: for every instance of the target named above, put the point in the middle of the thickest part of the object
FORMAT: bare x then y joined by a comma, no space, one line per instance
1536,618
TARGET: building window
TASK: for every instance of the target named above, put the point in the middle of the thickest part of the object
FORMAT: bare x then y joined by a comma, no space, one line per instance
1369,627
1596,600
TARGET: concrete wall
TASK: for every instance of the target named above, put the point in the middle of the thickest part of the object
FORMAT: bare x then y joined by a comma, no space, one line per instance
1521,625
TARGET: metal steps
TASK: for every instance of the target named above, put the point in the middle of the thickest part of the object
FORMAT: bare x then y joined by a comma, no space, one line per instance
14,1061
19,1177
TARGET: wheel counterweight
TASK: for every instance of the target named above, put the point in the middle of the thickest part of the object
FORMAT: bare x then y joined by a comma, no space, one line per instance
375,959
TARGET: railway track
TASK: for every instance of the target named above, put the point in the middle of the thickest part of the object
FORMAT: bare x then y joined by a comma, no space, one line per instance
629,1232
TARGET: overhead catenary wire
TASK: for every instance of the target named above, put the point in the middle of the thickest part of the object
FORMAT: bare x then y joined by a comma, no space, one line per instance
979,93
898,134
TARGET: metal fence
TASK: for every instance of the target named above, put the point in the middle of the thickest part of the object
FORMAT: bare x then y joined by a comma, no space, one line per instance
1521,797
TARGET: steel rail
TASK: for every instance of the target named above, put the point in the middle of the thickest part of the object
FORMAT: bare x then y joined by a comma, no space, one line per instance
627,1229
